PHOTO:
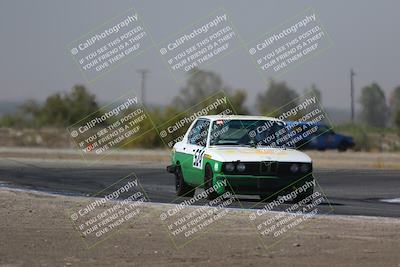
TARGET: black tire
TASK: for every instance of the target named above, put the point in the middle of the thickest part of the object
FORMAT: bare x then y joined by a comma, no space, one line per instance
342,147
181,187
208,182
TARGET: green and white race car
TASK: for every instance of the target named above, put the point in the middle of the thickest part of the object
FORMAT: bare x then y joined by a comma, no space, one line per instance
244,155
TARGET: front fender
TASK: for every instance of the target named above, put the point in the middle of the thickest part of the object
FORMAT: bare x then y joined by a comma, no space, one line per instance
216,167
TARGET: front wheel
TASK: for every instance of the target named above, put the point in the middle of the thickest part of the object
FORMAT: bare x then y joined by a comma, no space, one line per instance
181,187
208,183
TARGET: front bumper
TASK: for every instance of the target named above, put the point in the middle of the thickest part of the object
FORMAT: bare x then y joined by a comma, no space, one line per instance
253,185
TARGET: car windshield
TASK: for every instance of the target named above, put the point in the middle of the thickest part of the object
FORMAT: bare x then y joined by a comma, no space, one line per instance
227,132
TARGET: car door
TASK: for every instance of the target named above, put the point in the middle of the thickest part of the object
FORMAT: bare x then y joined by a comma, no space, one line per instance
195,146
328,138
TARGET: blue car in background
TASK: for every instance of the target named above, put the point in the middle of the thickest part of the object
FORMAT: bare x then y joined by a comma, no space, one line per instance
318,136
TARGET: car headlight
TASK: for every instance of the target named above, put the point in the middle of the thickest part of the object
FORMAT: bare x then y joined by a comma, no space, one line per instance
230,167
241,167
294,168
304,168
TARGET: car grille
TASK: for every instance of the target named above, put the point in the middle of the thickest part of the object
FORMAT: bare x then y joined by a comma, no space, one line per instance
265,168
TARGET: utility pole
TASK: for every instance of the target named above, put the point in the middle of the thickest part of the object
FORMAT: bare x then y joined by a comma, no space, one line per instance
352,73
143,73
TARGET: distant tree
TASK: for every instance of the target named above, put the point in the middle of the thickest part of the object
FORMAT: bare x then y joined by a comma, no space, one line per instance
394,104
30,107
68,108
151,139
200,86
80,103
55,112
237,99
314,91
397,119
277,95
13,120
374,108
58,110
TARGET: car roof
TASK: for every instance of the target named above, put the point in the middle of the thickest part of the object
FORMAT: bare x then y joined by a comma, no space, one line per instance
237,117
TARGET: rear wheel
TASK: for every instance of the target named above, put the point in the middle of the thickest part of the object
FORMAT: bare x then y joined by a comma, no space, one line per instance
181,187
208,182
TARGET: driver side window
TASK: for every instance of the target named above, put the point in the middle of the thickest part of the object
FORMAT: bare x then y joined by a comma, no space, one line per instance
198,134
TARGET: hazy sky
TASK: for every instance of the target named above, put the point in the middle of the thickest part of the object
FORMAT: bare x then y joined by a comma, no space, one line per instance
35,61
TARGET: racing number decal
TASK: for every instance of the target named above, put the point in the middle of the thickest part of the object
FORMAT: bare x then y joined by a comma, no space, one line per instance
198,158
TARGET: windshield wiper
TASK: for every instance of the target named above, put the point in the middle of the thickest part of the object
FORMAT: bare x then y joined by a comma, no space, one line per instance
231,144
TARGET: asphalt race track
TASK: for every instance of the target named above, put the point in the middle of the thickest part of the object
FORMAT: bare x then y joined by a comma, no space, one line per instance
349,192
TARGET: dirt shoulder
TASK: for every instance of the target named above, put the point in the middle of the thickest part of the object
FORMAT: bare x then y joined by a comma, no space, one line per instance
36,230
355,160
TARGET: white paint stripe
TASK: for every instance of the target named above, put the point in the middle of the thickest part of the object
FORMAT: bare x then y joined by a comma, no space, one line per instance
391,200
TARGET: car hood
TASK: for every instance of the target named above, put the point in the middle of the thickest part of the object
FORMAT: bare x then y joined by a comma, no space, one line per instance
227,154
